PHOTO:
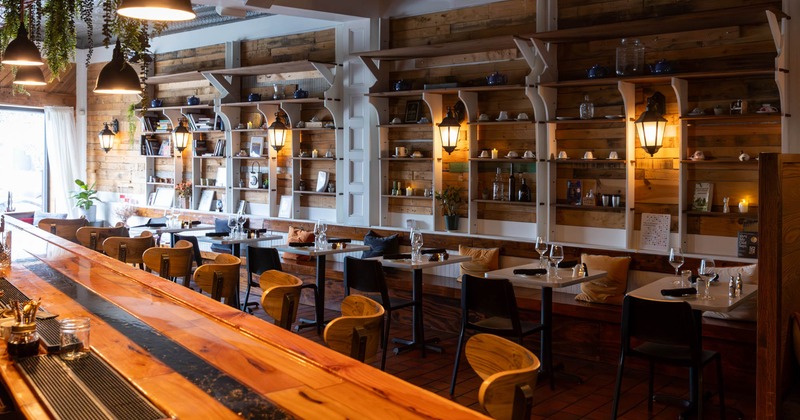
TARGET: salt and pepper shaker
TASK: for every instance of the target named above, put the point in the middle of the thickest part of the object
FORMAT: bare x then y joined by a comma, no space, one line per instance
738,284
732,287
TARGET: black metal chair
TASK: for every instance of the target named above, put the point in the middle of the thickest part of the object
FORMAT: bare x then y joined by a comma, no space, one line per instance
221,225
366,276
668,333
198,259
489,306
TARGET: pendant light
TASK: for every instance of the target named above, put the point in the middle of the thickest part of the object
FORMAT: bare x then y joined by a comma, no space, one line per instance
448,130
22,51
163,10
181,135
277,133
29,76
118,77
650,125
106,137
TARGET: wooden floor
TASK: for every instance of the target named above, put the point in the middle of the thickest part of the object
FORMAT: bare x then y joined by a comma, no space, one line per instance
591,399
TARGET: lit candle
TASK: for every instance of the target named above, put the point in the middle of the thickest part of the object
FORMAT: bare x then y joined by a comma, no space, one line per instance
743,206
494,153
409,190
314,153
249,125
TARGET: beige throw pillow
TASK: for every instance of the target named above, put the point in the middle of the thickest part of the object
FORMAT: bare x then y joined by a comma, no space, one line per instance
609,289
483,260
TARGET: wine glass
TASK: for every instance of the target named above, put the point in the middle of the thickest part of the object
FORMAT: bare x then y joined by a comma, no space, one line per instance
416,245
557,255
240,220
541,248
706,273
318,235
232,225
676,261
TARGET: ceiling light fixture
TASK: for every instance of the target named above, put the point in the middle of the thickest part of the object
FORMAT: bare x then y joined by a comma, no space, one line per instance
164,10
29,76
22,51
118,77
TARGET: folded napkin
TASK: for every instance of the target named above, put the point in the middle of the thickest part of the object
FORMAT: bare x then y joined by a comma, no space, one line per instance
568,264
397,257
433,251
530,271
195,222
217,234
338,241
300,244
686,291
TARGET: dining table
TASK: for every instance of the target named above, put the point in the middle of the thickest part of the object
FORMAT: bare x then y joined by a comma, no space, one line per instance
553,279
173,230
320,256
416,268
720,302
236,242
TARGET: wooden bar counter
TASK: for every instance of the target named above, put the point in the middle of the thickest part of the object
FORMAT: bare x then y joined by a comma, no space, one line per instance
194,357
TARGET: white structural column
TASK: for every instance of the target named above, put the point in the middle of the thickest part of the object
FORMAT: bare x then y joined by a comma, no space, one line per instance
360,168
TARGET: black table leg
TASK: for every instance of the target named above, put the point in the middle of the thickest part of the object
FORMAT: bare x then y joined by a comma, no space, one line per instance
319,303
236,249
546,348
417,330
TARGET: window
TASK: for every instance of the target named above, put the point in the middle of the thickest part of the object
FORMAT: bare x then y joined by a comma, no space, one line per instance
23,162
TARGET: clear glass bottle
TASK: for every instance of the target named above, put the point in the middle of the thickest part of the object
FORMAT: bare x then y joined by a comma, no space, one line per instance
524,193
587,109
630,57
497,187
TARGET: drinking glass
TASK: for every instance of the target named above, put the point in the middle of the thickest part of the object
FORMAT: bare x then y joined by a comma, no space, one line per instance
240,220
232,225
416,246
541,248
676,261
557,255
706,273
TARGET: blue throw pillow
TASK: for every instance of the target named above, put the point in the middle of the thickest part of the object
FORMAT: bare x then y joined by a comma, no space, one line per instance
380,245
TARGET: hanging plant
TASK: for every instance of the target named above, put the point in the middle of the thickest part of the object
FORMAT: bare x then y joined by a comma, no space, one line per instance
60,37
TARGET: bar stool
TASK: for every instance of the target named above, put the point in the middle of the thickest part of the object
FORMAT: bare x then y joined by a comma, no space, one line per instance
92,237
129,250
63,228
171,263
281,297
220,279
357,333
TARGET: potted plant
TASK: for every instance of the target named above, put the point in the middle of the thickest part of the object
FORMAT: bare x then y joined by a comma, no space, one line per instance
184,191
451,200
85,198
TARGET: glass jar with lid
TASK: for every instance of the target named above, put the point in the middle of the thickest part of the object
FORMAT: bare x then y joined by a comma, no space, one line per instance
630,57
586,109
23,341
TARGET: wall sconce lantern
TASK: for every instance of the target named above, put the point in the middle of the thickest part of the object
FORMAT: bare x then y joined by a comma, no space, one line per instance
448,130
277,132
115,125
650,125
106,138
181,135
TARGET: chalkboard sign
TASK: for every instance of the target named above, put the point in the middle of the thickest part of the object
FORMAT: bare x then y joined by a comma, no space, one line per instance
747,245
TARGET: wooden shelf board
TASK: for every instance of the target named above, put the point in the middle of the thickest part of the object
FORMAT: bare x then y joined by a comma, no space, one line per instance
621,208
211,187
719,161
450,48
251,189
508,203
403,125
733,16
590,121
588,161
660,78
271,68
158,156
407,197
503,160
312,129
315,193
209,157
445,91
321,158
189,76
407,159
773,117
250,158
507,122
734,213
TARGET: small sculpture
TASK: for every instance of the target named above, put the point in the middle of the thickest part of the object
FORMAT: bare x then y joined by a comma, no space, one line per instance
725,208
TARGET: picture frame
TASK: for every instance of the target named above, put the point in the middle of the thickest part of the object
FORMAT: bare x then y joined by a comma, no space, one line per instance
412,111
206,200
285,209
322,181
256,146
222,175
242,206
164,197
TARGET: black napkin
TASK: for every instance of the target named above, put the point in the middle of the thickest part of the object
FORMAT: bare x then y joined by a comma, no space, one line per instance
686,291
568,264
338,241
217,234
433,251
300,244
195,222
530,271
397,256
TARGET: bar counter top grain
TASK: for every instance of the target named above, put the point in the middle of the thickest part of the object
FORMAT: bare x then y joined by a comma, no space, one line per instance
282,370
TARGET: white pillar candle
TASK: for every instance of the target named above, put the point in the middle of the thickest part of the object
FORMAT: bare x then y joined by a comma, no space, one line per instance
743,206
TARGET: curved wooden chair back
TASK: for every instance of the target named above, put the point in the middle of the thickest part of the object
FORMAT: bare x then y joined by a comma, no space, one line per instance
170,263
220,279
509,373
129,250
92,237
281,296
358,332
63,228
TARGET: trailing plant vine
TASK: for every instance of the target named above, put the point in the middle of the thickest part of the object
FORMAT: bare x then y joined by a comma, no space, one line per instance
60,37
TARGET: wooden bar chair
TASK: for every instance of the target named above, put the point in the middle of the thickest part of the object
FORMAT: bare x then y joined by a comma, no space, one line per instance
358,332
281,296
220,279
129,250
63,228
260,260
92,237
170,263
509,373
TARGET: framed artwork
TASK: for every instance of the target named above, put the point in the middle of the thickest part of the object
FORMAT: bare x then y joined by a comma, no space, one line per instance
412,111
206,200
221,177
285,209
256,146
242,205
164,197
322,181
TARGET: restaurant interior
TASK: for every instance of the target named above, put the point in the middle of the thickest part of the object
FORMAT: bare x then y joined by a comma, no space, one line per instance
510,209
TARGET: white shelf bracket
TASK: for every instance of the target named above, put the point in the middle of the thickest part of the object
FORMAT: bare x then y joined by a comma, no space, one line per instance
372,67
224,87
324,71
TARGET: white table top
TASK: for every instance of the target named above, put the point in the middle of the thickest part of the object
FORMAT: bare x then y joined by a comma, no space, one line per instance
227,240
719,290
311,251
544,280
408,265
179,229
